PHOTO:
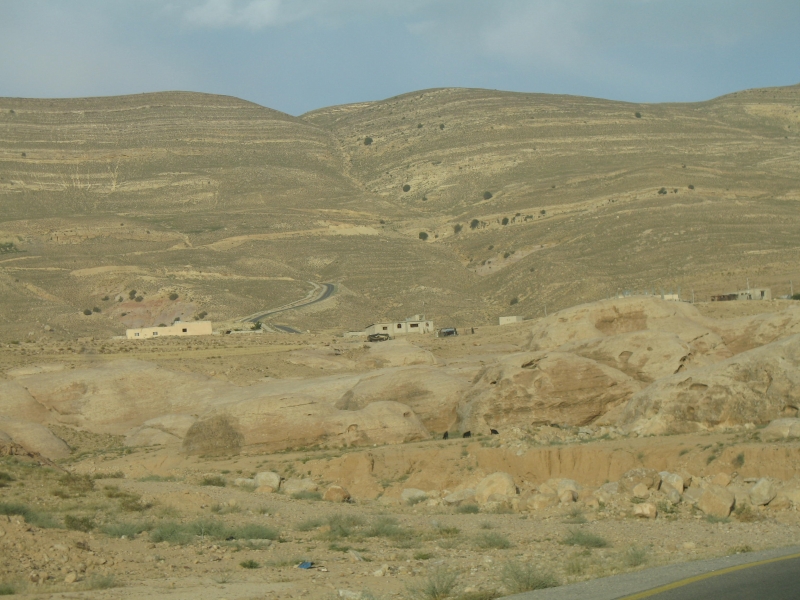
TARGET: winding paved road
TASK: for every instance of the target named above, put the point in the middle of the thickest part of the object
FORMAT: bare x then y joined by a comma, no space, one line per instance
767,575
321,292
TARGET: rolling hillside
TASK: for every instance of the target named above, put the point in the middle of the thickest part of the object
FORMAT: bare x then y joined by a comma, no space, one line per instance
538,200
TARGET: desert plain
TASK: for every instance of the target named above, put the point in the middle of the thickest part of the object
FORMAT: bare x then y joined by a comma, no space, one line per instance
610,430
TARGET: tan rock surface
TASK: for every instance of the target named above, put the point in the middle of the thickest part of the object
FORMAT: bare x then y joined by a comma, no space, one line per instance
755,387
497,483
716,501
34,437
430,392
543,388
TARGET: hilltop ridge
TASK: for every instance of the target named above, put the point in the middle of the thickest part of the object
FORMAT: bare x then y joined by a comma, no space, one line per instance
525,201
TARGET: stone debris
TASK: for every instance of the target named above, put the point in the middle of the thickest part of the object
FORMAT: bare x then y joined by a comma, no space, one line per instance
763,492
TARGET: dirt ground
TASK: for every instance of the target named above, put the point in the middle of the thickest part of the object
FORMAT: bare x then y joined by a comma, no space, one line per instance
113,521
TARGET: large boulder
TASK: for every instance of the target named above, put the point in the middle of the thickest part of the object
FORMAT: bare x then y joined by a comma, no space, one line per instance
296,421
781,429
161,431
540,388
757,387
608,318
431,393
716,501
763,492
295,485
501,484
34,438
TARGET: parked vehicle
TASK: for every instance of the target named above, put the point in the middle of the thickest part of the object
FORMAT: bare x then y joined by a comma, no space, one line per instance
446,332
377,337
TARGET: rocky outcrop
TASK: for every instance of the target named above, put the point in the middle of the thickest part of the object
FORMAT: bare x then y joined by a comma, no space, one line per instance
608,318
33,438
430,392
756,387
539,388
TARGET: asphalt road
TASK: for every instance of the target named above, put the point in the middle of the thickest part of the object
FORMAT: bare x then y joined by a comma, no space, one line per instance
327,292
775,579
766,575
286,328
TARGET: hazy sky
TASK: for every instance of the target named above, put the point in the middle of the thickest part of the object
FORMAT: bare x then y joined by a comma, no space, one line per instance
297,55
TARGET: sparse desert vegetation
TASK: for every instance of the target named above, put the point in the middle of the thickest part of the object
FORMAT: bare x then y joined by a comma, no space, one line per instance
607,432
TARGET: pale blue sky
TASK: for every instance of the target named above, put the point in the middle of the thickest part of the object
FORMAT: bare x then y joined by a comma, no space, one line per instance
297,55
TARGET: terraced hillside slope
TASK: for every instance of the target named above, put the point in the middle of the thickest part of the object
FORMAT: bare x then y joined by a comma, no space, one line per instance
211,205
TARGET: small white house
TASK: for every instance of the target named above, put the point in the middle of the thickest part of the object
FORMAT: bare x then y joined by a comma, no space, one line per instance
178,328
510,320
415,324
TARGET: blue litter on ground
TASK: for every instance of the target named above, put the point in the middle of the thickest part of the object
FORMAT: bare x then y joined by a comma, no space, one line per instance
305,565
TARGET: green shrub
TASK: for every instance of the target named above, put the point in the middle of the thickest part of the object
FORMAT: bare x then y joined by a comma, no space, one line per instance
78,523
487,195
112,475
367,141
423,236
662,191
7,589
514,301
158,478
637,114
384,527
578,537
132,294
173,296
214,480
254,531
494,540
468,509
422,556
307,495
504,221
691,187
474,224
635,556
101,582
128,530
438,585
249,564
77,483
171,532
309,524
738,462
457,228
96,309
87,311
406,188
32,517
519,578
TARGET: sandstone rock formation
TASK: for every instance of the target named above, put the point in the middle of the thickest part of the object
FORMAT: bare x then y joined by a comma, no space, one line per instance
33,437
544,387
756,387
431,393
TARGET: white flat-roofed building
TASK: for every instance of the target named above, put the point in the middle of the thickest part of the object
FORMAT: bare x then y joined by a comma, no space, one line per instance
415,324
178,328
510,320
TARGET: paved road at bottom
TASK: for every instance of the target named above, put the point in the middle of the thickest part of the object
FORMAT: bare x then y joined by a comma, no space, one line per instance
286,328
774,579
765,575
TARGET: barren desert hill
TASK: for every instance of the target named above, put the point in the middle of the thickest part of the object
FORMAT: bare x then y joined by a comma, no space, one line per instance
535,199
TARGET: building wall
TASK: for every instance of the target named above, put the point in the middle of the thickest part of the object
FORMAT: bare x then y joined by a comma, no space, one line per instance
510,320
177,329
400,327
